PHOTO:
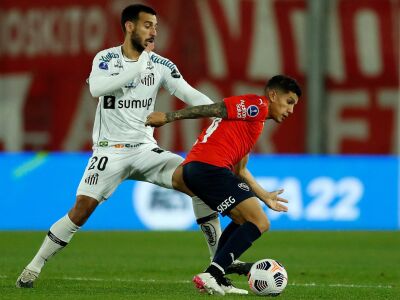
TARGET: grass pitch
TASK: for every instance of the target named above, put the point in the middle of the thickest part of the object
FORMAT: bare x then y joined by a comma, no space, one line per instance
160,265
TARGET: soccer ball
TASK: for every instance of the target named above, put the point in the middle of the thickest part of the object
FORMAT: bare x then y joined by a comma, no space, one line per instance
267,277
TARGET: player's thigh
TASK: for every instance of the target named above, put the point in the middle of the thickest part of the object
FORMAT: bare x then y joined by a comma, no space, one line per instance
250,210
105,170
155,165
178,183
218,187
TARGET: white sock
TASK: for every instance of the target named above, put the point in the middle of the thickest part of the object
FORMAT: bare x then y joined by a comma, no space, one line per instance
57,238
209,224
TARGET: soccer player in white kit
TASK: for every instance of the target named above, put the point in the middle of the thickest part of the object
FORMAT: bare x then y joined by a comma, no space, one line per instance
126,79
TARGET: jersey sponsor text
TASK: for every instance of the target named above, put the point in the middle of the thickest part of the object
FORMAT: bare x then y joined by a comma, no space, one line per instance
226,204
109,56
241,110
145,103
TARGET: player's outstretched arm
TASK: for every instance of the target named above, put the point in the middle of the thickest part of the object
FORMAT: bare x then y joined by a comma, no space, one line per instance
157,119
271,199
190,95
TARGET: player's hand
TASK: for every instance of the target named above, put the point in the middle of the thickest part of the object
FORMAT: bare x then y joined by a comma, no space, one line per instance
156,119
274,202
144,58
149,47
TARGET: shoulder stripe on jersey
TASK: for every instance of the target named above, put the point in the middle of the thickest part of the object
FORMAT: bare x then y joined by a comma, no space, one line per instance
163,61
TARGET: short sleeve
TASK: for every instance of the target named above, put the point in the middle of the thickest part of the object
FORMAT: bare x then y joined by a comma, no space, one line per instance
247,108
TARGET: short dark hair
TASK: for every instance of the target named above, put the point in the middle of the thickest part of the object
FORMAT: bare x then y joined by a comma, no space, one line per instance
285,84
131,13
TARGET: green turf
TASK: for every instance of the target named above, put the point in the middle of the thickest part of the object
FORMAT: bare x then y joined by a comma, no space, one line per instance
160,265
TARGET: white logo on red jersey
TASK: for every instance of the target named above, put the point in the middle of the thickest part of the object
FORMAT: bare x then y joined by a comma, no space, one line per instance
241,110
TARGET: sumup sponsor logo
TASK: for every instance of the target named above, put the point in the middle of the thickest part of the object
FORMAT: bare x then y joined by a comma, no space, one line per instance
109,102
226,204
144,103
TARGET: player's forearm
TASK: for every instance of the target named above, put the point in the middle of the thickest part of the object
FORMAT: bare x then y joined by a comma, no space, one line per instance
217,110
190,95
253,184
101,85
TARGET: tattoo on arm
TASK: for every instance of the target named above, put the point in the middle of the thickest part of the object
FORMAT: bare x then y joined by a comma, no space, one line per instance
202,111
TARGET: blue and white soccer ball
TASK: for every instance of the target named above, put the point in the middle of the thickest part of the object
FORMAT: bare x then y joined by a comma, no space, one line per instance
267,277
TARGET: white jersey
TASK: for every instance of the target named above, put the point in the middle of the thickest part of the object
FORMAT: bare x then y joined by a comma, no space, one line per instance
127,91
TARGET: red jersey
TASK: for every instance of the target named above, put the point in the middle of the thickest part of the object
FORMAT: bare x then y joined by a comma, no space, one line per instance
226,141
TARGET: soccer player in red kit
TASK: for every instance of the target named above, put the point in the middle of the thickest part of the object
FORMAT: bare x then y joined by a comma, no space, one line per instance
215,169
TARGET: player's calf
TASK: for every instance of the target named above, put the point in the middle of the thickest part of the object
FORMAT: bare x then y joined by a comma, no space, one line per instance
251,211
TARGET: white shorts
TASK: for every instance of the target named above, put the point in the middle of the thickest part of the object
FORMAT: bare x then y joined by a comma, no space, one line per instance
109,166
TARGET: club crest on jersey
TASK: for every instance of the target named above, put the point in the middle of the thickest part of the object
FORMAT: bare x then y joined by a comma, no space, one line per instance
147,79
252,111
92,179
103,65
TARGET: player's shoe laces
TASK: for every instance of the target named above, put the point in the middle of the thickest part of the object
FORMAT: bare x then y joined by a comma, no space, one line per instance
26,279
206,282
239,267
228,287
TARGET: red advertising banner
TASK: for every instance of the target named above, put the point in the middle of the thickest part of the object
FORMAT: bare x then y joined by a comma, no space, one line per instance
221,48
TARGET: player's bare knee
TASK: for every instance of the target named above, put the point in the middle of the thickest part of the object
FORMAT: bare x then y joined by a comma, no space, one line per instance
178,183
237,219
83,208
263,225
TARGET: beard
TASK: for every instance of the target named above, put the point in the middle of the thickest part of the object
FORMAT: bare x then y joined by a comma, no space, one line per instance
136,42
